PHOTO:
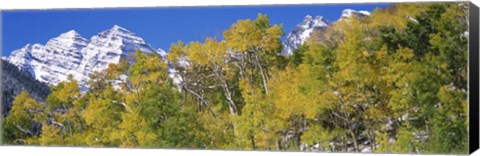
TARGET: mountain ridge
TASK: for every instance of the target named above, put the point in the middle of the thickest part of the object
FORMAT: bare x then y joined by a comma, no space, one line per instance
71,54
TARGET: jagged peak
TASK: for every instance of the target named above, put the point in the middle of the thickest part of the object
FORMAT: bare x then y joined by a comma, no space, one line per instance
322,19
69,53
70,34
350,12
67,37
117,28
310,22
28,45
302,32
308,17
24,52
317,18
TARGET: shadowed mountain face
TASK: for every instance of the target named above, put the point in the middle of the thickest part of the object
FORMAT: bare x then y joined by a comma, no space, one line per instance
14,81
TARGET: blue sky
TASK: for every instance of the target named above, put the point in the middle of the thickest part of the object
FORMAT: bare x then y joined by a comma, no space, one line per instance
160,26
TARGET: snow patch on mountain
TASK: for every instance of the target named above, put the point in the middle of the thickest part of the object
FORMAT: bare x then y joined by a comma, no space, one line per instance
302,33
347,13
162,53
109,47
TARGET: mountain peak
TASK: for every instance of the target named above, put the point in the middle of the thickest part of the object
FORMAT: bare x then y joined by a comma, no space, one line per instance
117,28
321,21
70,34
309,21
317,18
350,12
71,54
28,45
69,39
308,17
302,32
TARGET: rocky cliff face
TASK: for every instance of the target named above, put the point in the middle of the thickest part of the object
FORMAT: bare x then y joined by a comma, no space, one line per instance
14,81
302,33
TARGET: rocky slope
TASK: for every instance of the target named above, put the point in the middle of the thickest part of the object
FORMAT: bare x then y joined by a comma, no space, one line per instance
14,81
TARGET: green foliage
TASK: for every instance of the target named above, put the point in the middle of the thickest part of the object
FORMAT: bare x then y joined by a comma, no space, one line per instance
403,143
24,118
298,54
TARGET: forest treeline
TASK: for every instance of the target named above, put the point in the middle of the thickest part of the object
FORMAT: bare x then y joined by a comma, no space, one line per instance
394,81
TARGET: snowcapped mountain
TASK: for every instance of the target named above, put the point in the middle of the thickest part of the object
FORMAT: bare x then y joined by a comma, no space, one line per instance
305,29
70,53
349,13
302,32
14,81
54,61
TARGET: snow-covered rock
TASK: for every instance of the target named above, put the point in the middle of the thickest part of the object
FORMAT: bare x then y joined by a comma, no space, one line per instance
302,33
304,30
71,54
53,62
109,47
162,53
347,13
